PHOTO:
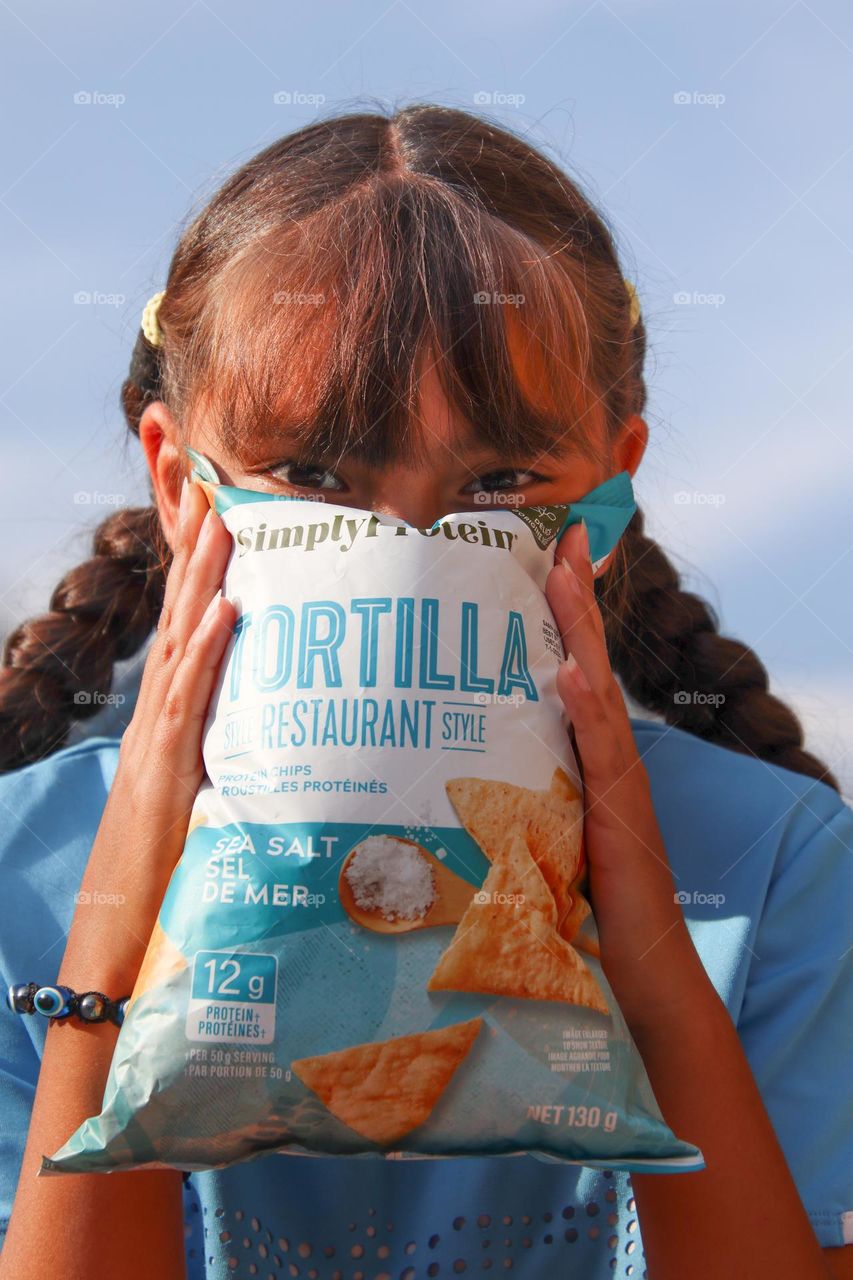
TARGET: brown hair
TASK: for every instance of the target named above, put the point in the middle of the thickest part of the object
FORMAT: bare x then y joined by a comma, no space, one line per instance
306,294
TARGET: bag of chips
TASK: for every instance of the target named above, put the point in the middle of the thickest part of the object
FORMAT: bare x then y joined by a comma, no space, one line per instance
377,940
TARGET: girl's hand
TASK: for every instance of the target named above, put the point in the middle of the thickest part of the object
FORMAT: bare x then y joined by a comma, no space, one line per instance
646,950
160,767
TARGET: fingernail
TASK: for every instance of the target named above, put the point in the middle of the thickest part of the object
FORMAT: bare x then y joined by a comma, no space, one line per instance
211,608
206,528
184,504
584,539
576,673
571,575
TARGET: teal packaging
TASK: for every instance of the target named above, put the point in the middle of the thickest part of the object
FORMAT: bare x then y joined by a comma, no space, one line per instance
377,941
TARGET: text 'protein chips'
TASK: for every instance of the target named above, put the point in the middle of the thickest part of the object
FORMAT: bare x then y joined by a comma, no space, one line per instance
377,939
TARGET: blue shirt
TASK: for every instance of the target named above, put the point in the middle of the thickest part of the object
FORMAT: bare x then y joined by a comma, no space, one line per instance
775,844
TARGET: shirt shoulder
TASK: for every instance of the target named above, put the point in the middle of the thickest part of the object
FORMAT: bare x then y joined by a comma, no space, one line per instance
733,825
722,807
49,814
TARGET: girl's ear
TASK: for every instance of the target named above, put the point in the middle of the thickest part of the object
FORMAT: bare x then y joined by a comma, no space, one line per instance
631,444
167,465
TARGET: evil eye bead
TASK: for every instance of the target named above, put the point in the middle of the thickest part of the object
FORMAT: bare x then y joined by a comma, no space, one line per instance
53,1002
92,1006
19,997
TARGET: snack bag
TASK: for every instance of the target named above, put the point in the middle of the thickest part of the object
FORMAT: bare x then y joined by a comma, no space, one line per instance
376,941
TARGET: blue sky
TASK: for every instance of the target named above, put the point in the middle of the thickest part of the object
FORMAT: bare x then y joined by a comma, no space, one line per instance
715,137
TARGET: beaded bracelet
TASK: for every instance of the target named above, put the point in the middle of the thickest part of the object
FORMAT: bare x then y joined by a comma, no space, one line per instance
58,1002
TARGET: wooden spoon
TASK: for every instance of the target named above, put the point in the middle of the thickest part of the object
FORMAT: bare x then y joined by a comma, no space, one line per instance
452,896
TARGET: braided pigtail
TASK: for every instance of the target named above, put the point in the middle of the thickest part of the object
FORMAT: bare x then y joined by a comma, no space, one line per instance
671,658
56,667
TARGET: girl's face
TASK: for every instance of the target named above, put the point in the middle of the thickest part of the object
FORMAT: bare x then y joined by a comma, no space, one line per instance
461,475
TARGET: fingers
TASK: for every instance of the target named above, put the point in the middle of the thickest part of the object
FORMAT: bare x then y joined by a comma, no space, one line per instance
585,680
179,725
202,549
193,507
572,599
160,756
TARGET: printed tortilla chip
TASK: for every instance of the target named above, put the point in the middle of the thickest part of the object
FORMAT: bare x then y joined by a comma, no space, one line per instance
507,942
579,912
565,792
562,789
494,812
572,924
386,1088
162,959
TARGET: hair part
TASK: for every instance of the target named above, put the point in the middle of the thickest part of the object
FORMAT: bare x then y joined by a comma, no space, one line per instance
307,298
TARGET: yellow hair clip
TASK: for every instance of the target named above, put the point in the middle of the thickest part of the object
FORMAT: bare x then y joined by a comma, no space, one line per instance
150,325
635,302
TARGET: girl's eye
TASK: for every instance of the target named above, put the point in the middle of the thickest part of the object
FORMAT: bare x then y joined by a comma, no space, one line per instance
306,476
491,483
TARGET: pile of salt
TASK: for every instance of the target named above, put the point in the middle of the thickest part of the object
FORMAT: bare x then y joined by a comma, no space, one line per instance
392,877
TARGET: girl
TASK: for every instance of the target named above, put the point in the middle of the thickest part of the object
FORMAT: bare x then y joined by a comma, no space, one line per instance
418,314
